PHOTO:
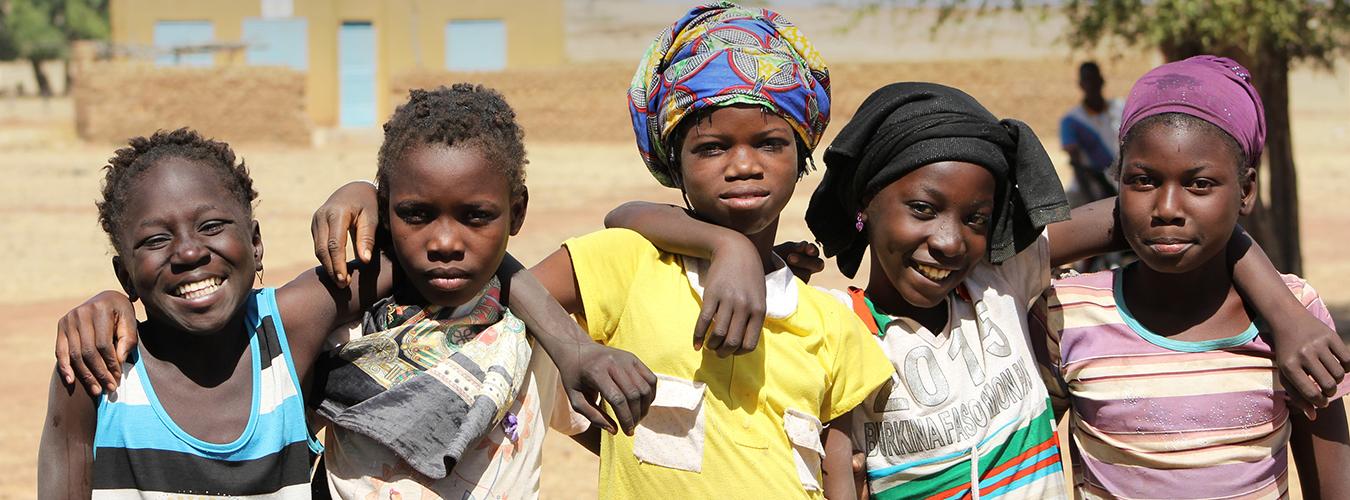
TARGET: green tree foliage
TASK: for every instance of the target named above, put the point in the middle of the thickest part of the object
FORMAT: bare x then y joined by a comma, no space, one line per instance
1267,36
41,30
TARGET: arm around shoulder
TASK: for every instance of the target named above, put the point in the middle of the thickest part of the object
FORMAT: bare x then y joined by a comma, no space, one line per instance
66,452
312,305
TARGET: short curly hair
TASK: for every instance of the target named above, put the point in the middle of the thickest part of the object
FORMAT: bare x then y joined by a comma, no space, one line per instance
463,114
128,164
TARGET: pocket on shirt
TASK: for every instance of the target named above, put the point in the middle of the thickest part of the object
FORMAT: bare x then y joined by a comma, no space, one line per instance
803,432
672,433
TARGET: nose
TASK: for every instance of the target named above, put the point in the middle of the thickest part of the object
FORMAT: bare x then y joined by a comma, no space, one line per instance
743,164
1167,209
189,252
445,243
946,240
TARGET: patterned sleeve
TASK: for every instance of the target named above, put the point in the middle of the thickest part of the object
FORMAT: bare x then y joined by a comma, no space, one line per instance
857,365
604,263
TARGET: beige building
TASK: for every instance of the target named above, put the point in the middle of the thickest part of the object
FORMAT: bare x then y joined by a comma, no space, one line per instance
350,50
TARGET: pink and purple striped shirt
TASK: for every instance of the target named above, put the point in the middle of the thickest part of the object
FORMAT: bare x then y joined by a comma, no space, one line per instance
1155,417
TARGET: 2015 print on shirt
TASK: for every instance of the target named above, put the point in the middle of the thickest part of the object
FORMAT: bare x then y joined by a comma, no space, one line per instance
931,402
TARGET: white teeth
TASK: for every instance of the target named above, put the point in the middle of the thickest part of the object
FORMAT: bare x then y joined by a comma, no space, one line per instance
199,288
932,273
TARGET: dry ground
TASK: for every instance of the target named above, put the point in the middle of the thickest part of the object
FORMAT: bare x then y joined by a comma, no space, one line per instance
59,255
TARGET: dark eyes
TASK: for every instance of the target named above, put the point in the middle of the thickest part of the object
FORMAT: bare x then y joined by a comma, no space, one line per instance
209,228
155,242
480,217
713,148
926,211
413,216
1144,181
921,209
1140,180
212,227
472,216
1202,184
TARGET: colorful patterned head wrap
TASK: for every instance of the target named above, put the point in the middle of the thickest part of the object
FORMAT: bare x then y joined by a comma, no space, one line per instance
723,54
1211,88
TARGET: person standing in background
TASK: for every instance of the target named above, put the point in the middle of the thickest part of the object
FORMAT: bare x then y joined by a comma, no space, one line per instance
1088,134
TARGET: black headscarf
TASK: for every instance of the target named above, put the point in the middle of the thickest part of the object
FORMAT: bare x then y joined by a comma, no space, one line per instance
904,126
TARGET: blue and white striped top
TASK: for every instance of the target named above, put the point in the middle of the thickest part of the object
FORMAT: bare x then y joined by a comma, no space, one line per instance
139,452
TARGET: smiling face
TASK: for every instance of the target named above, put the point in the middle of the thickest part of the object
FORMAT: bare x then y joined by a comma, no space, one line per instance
189,249
929,228
738,166
1181,195
450,215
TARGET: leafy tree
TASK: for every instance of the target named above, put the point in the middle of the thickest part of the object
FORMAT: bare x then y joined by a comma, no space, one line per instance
41,30
1267,36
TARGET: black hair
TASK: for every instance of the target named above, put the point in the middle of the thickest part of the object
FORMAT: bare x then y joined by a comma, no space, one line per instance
676,144
463,114
1184,121
129,163
1090,67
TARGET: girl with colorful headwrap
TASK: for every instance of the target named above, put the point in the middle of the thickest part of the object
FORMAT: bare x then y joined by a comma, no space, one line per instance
955,204
1202,414
727,104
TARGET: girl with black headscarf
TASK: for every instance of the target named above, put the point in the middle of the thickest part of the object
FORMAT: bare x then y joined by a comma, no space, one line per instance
954,204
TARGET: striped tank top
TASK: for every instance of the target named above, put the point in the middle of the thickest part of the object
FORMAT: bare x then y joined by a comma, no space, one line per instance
139,452
1156,417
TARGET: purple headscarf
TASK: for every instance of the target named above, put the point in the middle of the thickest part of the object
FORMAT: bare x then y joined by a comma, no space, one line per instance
1215,89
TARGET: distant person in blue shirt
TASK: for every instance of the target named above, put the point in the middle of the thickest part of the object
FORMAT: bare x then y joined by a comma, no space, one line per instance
1088,134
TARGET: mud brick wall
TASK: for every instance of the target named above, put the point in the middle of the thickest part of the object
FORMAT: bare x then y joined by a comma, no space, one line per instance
115,101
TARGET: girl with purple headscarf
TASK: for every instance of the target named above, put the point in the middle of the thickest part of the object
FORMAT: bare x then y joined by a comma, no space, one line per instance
1168,369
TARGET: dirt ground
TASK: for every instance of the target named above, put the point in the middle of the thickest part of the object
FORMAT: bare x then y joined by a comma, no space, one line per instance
50,231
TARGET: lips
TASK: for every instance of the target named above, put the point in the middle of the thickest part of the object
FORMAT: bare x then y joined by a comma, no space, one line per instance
1168,245
448,279
744,197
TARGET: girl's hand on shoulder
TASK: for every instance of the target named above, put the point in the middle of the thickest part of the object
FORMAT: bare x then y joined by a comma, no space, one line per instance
94,339
734,300
352,209
616,376
802,256
1313,360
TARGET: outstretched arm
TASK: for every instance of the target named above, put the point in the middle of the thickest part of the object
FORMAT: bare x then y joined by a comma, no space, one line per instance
66,452
1310,355
734,303
587,369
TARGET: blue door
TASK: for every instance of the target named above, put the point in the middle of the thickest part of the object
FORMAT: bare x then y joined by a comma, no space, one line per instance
277,42
356,75
177,35
475,45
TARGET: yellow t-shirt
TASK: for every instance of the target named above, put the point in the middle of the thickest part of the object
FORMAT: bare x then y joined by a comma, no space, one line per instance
737,427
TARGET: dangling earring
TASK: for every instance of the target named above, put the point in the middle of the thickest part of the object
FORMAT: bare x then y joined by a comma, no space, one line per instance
859,224
260,273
